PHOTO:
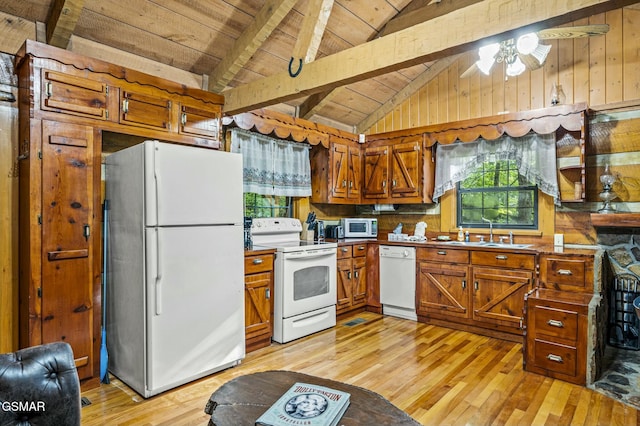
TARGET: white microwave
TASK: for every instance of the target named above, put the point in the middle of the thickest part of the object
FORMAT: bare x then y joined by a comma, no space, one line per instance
359,227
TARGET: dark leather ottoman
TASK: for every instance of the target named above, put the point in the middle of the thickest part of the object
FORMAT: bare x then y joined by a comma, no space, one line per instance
241,401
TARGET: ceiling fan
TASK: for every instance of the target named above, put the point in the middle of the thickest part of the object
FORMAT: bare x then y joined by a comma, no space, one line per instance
526,51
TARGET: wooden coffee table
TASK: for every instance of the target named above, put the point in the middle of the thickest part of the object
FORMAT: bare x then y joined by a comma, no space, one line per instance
241,401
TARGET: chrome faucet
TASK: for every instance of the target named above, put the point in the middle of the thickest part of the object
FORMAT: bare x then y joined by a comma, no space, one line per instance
510,237
490,229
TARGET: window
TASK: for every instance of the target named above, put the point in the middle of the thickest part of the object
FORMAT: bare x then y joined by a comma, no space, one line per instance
256,205
496,191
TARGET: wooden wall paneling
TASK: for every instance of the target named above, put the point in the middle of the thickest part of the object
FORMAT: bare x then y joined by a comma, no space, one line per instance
423,96
443,98
8,222
581,66
453,95
510,97
497,90
597,65
463,88
550,72
631,53
576,227
414,112
523,83
486,94
388,122
614,59
13,32
536,84
432,114
565,69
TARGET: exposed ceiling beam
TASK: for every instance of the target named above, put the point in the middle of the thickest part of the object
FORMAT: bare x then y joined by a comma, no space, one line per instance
62,21
310,36
415,12
411,16
459,31
415,85
249,42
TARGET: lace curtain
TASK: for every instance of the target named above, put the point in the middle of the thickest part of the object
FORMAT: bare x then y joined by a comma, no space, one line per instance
273,166
534,154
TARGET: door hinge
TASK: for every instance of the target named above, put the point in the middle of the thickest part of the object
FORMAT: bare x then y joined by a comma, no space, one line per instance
40,292
39,155
39,219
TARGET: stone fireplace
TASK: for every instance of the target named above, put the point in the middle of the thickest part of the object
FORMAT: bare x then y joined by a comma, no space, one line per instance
620,370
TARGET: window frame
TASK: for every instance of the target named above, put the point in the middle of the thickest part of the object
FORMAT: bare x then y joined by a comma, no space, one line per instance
496,225
251,210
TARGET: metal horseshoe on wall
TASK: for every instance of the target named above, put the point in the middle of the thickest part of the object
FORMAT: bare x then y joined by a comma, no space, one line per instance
295,74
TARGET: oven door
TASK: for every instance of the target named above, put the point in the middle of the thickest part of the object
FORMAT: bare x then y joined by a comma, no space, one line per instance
305,281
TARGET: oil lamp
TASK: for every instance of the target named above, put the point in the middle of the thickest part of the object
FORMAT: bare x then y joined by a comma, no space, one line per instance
607,195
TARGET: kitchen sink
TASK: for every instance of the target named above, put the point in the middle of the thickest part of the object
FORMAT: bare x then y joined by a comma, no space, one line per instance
485,244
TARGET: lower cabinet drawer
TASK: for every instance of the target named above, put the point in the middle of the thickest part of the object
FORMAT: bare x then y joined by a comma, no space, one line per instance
556,323
555,357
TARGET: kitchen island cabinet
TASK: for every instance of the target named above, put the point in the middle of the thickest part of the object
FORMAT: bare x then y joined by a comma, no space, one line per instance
258,300
351,277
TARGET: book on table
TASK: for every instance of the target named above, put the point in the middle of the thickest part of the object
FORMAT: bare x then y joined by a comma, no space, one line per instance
306,404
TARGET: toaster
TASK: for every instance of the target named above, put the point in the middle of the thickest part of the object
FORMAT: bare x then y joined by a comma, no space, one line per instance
335,232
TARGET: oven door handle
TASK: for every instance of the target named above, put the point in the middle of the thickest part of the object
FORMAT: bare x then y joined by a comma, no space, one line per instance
310,255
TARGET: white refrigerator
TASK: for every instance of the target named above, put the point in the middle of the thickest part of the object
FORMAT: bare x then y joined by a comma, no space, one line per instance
175,274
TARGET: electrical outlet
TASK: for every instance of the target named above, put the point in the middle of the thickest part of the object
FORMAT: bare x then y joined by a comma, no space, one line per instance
558,239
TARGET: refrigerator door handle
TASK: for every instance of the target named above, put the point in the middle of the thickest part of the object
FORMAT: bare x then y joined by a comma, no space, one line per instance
156,176
158,276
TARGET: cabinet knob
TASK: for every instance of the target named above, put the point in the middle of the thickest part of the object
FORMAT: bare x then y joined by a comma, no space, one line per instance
442,252
564,272
464,284
502,257
257,261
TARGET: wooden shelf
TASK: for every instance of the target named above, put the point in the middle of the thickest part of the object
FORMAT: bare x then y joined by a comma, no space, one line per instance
616,220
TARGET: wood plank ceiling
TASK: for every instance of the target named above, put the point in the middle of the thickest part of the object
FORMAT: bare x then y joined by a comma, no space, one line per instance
338,62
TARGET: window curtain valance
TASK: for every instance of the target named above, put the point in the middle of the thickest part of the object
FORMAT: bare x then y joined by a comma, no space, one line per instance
534,155
273,166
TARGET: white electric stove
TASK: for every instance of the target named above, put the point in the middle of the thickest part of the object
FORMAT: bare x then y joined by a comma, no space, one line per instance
305,278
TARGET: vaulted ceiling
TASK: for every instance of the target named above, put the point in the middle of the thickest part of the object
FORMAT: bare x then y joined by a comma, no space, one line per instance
337,62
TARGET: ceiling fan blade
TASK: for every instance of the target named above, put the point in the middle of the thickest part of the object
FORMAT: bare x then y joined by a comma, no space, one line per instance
470,71
573,32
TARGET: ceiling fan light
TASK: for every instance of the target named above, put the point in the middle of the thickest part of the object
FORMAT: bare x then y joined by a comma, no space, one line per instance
489,51
485,65
540,52
515,68
527,43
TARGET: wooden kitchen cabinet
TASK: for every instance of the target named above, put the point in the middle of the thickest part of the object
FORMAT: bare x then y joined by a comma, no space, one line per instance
199,119
393,172
70,94
59,240
352,278
67,103
258,300
474,290
500,282
443,283
556,334
337,173
566,272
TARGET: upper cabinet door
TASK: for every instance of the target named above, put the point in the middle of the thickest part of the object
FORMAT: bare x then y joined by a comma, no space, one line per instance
75,95
145,110
339,158
376,165
355,173
200,121
406,171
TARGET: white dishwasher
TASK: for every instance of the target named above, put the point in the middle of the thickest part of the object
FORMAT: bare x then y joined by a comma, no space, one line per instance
398,281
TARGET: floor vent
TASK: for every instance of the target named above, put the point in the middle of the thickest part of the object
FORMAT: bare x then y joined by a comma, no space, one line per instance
354,322
85,401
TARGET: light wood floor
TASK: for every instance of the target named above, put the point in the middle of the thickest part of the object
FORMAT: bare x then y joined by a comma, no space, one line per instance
437,375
